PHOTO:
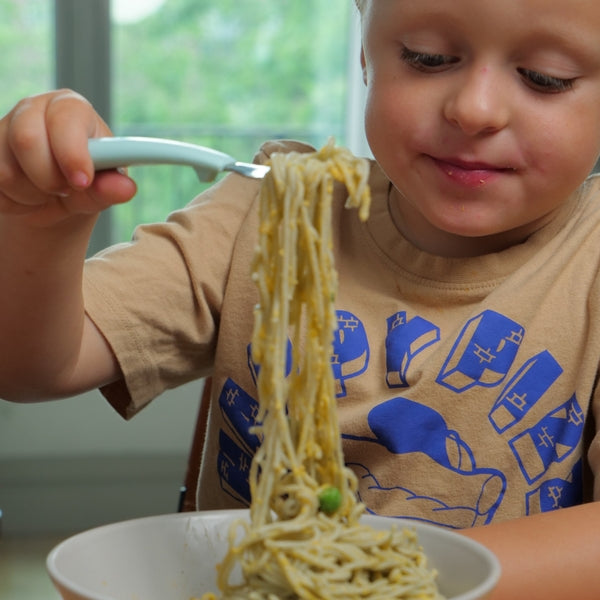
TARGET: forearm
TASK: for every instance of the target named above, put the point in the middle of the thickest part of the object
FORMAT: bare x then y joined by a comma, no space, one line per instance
548,556
41,305
50,197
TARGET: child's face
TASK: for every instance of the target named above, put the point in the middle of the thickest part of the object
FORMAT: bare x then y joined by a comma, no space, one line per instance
485,114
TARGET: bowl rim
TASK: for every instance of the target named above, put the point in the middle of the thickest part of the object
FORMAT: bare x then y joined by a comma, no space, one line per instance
479,591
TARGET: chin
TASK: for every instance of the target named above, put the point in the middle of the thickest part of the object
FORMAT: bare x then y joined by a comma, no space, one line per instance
467,230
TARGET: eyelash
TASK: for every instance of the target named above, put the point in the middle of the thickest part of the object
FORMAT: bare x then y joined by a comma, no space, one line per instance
546,83
424,61
541,82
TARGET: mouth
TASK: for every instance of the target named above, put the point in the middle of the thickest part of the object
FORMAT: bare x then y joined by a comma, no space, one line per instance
470,173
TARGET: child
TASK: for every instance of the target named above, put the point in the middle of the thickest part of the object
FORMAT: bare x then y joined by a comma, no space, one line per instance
468,344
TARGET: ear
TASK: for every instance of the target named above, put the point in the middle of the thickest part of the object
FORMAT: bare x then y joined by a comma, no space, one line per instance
363,64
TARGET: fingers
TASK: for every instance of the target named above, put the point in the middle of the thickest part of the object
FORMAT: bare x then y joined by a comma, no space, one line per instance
68,143
87,203
44,157
46,139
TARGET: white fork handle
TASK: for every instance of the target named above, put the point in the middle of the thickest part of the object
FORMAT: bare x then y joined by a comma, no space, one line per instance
114,152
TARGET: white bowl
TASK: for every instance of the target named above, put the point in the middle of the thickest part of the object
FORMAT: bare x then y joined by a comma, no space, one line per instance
173,557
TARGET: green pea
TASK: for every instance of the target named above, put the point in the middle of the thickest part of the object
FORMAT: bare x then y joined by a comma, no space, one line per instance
330,500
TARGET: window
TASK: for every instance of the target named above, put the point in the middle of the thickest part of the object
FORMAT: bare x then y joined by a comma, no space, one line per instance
225,74
25,43
228,75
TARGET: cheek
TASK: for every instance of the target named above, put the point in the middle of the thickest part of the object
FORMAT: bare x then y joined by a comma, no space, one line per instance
393,117
565,147
377,108
375,127
557,138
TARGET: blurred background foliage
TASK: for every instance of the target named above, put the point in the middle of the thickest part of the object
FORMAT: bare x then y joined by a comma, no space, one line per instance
225,74
228,75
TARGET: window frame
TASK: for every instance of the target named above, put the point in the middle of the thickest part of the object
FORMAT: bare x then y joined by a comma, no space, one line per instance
82,51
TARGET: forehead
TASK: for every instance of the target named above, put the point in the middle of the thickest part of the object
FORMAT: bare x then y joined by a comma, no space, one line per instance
579,19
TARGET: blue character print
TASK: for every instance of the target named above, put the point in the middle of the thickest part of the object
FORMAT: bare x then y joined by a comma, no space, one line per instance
350,356
254,367
551,440
557,493
403,426
405,339
233,465
483,353
522,392
239,410
238,444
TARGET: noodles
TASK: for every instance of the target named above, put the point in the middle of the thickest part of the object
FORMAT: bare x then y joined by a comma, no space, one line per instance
304,539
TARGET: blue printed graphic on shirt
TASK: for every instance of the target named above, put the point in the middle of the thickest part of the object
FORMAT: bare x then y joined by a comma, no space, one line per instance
255,368
239,408
350,356
485,354
522,392
239,411
405,339
403,426
233,465
550,441
557,493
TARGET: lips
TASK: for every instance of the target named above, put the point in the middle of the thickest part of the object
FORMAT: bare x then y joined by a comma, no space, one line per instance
469,173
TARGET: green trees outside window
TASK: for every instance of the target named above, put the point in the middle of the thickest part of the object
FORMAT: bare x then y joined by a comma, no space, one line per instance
221,73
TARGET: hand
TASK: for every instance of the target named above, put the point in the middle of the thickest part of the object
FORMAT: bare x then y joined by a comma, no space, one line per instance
46,173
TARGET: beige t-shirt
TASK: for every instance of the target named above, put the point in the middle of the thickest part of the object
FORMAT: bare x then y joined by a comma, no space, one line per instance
465,386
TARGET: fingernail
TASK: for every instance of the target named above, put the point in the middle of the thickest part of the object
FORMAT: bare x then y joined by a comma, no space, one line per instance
79,179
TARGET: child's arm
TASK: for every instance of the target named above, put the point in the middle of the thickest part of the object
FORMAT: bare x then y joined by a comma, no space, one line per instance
550,556
49,202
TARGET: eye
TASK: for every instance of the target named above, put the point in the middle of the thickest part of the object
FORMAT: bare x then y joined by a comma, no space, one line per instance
424,61
545,83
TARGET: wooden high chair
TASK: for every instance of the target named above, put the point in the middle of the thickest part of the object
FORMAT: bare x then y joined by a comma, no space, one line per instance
187,494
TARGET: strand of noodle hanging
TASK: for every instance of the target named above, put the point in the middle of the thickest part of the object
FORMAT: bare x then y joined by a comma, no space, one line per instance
300,228
294,546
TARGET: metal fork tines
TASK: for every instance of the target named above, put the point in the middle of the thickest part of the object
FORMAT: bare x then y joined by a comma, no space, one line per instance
248,169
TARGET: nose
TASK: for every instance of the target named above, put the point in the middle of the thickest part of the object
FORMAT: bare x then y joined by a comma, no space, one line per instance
477,103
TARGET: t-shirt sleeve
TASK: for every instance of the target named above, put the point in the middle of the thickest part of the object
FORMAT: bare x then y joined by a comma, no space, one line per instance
157,299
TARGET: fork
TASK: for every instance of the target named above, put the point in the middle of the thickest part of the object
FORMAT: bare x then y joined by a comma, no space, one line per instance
126,151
